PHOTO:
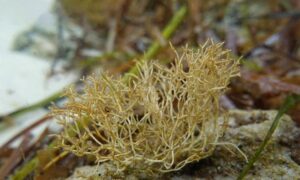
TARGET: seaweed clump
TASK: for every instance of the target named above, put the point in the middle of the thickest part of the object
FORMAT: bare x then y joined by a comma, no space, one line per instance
162,120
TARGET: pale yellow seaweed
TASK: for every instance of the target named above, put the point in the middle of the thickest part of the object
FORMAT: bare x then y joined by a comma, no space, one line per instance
162,120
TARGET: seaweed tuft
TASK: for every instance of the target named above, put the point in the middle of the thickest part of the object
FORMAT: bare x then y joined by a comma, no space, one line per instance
164,119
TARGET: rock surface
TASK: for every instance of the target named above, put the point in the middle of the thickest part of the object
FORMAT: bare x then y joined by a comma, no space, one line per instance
246,130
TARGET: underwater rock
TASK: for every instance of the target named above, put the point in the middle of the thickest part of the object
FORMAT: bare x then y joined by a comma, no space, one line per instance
247,130
105,170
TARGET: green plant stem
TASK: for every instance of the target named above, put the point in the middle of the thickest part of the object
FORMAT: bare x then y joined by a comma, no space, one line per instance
152,51
290,102
39,104
31,165
25,170
57,95
167,33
